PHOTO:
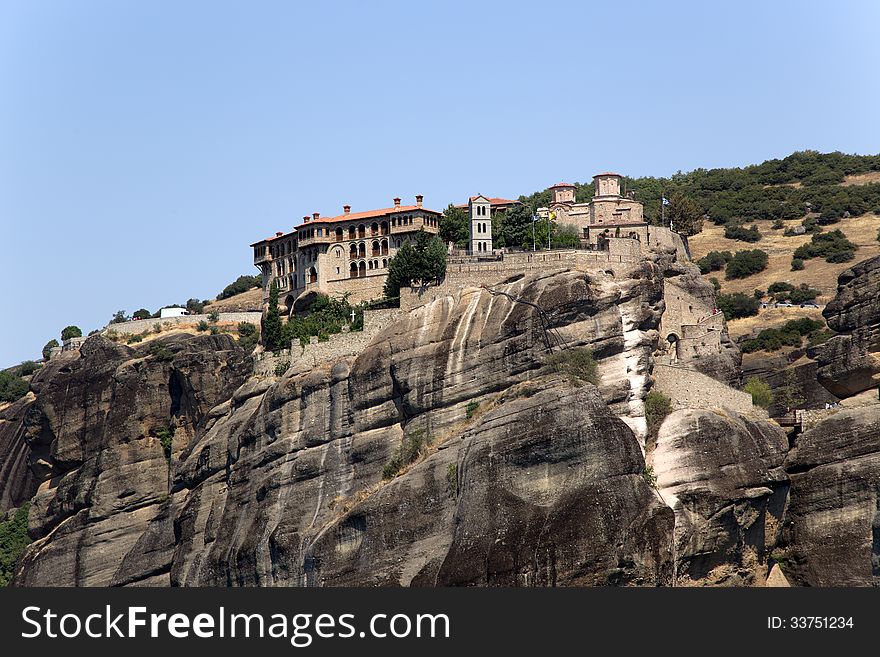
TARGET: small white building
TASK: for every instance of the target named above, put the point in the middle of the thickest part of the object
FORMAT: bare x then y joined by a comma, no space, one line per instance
174,311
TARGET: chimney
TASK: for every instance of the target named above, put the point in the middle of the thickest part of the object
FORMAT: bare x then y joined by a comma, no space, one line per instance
397,202
419,198
315,216
346,209
306,219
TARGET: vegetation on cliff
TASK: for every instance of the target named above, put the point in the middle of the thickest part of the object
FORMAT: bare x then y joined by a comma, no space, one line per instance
13,541
12,386
421,260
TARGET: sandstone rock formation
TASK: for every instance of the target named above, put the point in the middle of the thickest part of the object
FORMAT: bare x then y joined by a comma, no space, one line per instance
524,476
850,363
722,475
832,528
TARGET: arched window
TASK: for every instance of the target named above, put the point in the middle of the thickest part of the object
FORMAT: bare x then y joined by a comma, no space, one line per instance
362,268
313,275
339,234
337,253
397,243
353,270
384,228
385,247
384,263
353,251
362,231
351,232
362,250
375,249
374,229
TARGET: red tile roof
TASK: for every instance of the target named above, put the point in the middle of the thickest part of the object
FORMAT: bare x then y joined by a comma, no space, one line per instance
493,201
607,173
369,214
351,216
561,184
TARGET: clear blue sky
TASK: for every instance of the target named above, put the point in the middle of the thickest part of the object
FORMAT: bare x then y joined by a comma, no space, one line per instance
144,145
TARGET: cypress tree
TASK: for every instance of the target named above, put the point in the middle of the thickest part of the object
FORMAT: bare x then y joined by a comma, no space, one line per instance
273,331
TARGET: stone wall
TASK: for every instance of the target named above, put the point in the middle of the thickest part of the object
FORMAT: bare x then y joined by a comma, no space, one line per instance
338,346
690,389
476,272
146,325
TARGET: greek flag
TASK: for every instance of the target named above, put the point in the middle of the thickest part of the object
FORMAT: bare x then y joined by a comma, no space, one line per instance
665,201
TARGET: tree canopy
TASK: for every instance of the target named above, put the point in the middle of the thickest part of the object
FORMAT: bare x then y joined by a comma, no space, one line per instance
422,259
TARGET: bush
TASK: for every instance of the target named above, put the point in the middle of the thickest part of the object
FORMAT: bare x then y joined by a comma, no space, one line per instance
782,291
239,285
791,334
161,352
833,246
761,394
12,387
452,479
714,261
797,264
71,332
132,339
778,225
13,540
578,363
143,313
213,317
202,326
248,335
737,305
657,407
119,317
282,367
715,284
28,367
214,330
326,316
649,476
471,409
195,307
166,438
409,450
47,349
742,234
746,263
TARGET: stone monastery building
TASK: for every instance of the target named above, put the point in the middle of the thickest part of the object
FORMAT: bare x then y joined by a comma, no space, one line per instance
348,253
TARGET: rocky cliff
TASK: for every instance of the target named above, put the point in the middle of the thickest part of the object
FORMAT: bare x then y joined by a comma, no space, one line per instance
447,452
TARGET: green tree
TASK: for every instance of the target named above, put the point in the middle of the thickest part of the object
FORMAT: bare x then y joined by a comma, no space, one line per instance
118,317
455,226
685,215
12,387
273,330
47,349
71,332
737,305
239,285
195,307
761,394
516,227
13,540
143,313
746,263
422,259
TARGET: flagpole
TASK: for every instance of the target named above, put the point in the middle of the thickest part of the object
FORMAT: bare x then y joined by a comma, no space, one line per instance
534,219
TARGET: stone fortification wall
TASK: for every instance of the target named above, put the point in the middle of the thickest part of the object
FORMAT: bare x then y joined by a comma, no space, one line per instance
340,345
146,325
475,272
690,389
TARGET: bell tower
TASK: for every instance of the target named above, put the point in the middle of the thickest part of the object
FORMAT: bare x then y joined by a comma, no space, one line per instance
481,225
